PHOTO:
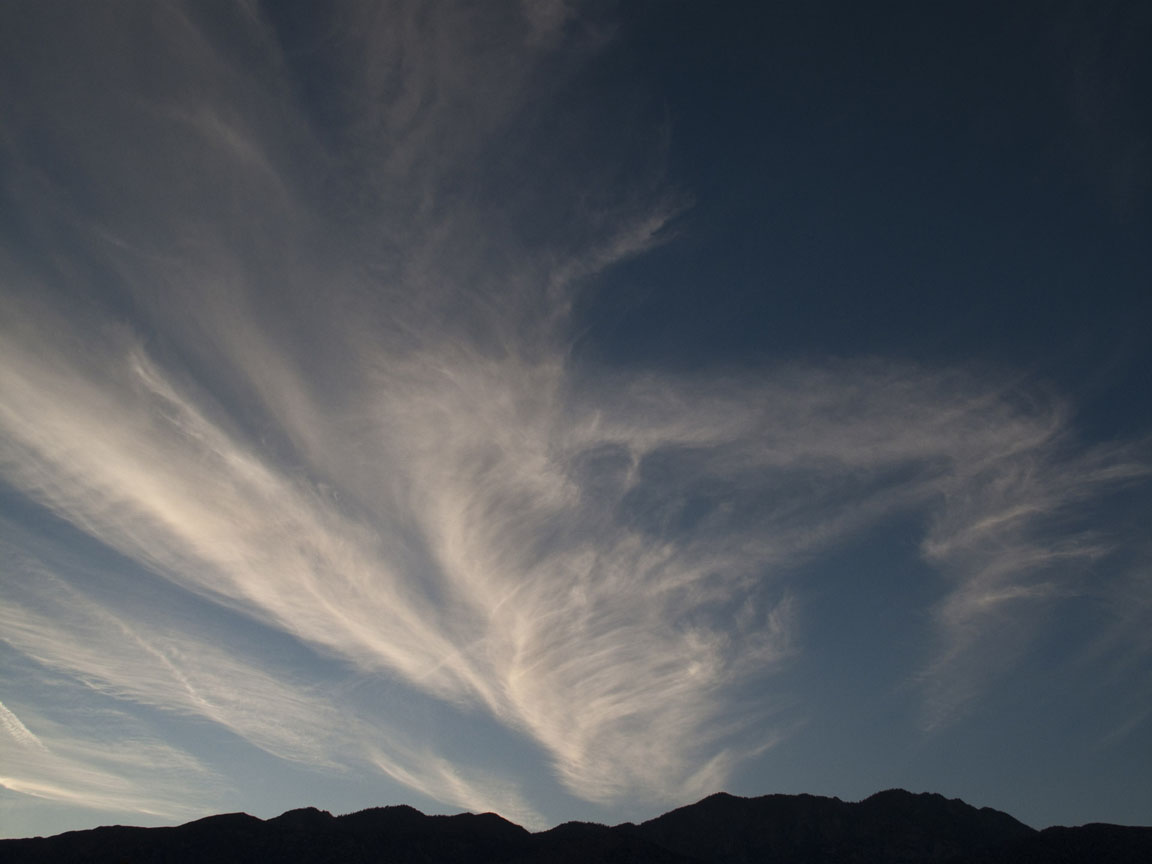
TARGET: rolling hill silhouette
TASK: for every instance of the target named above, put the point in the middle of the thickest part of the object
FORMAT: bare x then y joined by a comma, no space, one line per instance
892,827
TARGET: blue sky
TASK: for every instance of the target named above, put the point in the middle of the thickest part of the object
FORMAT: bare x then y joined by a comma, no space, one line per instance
571,410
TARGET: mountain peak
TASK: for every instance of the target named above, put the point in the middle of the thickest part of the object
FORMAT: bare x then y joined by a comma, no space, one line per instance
303,816
221,820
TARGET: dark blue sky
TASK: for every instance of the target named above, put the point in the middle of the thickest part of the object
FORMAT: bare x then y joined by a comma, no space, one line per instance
943,184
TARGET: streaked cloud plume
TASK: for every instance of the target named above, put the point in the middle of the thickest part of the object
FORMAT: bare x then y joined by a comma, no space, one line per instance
83,766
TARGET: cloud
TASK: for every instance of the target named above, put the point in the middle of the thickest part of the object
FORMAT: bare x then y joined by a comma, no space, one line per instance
18,732
1016,538
147,655
312,362
598,569
67,631
103,772
452,783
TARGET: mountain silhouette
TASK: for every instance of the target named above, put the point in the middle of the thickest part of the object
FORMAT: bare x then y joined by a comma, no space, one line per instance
891,827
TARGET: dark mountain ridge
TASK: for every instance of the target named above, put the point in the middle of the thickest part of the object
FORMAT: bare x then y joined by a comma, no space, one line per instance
891,827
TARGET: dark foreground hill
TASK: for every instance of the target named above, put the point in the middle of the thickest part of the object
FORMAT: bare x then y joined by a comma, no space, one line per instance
893,827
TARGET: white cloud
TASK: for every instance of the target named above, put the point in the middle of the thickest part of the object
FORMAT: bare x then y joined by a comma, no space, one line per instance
452,783
587,607
155,661
60,627
103,771
18,732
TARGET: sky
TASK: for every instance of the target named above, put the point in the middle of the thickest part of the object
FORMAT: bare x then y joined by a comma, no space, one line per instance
571,410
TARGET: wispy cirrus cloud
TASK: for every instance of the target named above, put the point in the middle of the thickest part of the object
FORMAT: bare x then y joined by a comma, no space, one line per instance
311,361
70,632
596,569
148,656
83,766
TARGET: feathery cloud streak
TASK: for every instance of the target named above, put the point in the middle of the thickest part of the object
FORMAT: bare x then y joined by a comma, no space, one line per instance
97,770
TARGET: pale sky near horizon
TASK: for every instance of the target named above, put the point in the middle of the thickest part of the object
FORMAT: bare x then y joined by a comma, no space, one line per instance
570,410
